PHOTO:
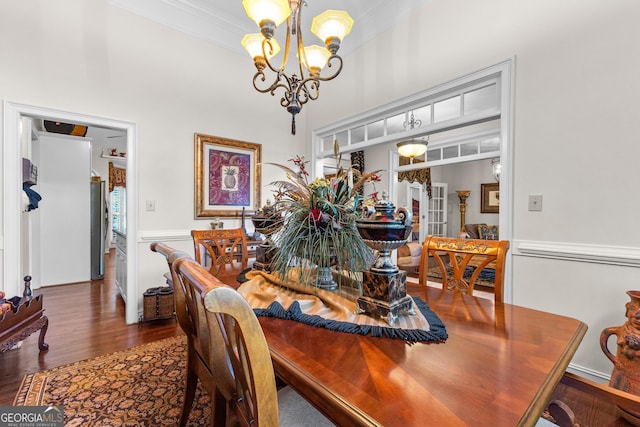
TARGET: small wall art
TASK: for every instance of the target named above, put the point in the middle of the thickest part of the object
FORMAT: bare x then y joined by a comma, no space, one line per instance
490,198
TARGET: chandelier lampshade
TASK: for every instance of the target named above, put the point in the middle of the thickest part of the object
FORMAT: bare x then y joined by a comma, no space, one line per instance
330,26
252,43
267,11
316,58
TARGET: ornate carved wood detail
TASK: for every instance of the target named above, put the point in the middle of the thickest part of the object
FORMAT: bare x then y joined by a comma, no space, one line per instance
458,285
17,326
467,245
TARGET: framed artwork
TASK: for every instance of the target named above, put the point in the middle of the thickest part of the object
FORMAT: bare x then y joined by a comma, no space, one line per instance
227,177
490,200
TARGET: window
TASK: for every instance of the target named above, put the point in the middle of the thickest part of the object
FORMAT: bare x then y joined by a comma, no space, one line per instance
475,101
118,204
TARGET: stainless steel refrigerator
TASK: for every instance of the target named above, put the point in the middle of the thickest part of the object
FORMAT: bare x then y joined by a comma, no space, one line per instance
99,220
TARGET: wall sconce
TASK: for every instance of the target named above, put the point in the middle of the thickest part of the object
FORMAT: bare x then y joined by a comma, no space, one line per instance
495,169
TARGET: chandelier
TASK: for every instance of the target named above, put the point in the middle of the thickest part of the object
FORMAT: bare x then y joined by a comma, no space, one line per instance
412,147
331,27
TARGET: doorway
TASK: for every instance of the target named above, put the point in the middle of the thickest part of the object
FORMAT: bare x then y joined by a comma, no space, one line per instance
13,140
420,207
380,128
437,212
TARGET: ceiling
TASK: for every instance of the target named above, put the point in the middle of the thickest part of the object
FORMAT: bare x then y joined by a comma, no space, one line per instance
224,22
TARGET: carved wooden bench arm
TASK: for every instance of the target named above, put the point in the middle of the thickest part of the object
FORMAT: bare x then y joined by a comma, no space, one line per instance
19,325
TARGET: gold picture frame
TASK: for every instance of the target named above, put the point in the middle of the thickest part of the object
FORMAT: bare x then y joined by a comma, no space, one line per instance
227,177
490,198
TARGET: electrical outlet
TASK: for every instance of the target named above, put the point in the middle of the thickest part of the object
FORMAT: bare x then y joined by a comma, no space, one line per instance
151,205
535,202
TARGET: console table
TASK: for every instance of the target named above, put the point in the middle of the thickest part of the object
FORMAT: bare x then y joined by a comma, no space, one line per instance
19,325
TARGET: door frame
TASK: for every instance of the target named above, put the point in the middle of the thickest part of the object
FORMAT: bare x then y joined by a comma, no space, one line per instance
12,189
504,74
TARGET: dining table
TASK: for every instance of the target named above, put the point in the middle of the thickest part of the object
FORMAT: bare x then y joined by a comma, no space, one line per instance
498,367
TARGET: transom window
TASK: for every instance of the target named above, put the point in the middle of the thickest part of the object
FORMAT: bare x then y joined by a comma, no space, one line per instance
474,102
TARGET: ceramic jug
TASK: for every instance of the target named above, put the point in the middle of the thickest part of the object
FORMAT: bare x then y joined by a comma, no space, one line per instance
626,362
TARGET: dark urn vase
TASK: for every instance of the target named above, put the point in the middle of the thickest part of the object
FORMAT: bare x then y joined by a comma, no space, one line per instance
384,230
384,286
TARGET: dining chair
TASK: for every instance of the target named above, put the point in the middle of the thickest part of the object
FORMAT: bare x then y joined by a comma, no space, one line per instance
242,364
192,321
223,252
583,402
464,255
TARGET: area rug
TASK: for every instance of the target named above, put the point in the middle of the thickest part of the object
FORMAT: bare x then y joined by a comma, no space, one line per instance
485,278
141,386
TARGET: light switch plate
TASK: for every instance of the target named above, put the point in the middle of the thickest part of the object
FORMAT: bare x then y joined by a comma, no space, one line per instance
151,205
535,202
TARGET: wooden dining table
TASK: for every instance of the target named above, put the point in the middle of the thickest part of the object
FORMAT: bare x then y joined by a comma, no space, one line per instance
498,367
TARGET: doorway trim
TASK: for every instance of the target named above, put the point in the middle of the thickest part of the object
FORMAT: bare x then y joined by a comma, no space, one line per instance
504,75
12,197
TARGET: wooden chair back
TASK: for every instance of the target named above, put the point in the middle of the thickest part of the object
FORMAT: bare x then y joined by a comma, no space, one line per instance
223,252
239,352
597,399
463,253
192,319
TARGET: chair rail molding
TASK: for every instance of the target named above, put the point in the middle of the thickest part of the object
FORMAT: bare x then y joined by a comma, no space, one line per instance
164,235
601,254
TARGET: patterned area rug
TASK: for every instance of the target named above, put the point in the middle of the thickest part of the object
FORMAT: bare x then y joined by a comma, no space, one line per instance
485,278
141,386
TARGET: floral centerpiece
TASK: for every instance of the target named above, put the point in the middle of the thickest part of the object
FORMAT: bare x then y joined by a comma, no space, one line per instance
319,223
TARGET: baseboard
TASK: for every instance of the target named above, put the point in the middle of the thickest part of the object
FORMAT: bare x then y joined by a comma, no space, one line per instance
595,376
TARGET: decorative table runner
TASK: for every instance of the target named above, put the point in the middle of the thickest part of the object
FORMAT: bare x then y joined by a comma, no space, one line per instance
333,310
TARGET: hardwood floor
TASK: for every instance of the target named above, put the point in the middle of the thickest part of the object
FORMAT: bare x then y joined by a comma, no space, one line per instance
85,320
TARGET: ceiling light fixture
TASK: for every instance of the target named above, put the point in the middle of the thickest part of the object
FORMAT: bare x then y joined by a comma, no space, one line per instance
331,26
412,147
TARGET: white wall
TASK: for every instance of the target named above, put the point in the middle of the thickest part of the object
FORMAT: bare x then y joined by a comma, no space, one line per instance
575,134
87,57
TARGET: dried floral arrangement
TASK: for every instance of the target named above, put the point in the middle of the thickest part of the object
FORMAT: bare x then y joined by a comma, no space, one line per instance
318,221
